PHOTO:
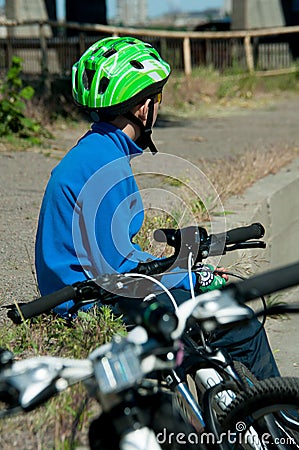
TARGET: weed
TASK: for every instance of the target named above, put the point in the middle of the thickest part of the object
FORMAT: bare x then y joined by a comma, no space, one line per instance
13,120
152,221
172,181
275,300
207,91
229,177
49,335
199,209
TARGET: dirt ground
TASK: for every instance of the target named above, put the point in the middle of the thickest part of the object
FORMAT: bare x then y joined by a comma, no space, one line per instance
24,174
232,130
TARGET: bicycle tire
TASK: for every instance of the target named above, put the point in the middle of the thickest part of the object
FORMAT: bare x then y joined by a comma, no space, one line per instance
260,408
247,378
246,381
208,398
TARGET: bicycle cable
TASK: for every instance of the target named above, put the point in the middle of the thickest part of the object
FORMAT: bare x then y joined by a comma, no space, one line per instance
173,301
154,280
263,321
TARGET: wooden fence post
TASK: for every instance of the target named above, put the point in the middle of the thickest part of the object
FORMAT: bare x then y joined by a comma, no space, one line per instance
82,46
248,53
44,57
9,51
187,56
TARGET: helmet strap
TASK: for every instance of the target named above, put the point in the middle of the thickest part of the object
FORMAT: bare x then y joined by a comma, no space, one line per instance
145,138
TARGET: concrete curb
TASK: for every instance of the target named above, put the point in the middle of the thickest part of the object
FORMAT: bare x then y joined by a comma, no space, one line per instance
274,202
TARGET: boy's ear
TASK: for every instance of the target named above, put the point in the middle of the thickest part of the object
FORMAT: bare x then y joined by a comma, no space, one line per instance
143,110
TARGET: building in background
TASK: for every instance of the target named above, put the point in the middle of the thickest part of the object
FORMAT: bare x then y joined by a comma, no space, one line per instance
88,11
26,10
51,7
249,14
291,11
227,7
131,12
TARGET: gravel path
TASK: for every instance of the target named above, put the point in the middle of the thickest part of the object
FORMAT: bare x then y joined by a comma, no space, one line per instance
23,176
232,131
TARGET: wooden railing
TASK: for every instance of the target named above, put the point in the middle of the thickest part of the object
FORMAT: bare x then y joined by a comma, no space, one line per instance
51,51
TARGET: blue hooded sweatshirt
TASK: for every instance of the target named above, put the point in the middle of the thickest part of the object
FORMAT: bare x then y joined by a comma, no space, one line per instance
91,211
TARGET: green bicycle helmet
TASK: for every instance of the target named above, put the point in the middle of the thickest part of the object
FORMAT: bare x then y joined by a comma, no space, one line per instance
117,73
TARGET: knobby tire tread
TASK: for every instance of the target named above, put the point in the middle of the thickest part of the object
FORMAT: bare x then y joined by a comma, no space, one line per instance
272,392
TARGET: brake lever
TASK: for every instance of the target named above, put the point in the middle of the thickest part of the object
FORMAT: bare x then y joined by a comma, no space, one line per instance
248,244
97,290
278,309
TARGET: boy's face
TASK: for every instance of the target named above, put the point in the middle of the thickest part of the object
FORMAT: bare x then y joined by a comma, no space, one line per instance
156,110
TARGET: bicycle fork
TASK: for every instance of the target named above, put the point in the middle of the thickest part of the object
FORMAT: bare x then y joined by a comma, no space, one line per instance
186,402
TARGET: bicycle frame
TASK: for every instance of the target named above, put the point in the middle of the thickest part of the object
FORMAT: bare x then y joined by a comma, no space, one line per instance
200,412
207,370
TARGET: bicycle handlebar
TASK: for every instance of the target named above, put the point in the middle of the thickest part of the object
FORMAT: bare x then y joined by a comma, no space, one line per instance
241,234
41,304
226,306
109,369
194,238
215,308
173,237
266,283
86,292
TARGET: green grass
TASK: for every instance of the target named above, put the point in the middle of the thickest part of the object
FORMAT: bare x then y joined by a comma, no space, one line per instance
51,426
50,335
208,92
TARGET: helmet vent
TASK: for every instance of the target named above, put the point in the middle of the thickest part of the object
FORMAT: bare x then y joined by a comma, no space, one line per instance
87,78
103,85
154,56
136,64
109,52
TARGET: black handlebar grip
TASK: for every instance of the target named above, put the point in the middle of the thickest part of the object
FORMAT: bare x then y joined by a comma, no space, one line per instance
42,304
234,236
266,283
156,266
241,234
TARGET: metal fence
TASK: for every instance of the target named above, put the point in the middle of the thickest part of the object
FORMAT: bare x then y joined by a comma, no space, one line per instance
52,52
